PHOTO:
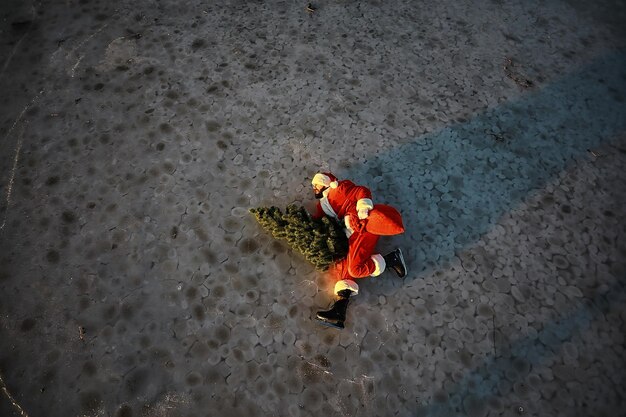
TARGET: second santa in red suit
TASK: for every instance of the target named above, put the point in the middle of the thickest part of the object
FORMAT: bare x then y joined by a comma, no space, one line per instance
351,204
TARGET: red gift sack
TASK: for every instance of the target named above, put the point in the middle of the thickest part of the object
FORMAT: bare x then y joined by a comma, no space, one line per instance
384,220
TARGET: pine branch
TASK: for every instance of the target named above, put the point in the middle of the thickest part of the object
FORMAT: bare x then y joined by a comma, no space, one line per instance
322,242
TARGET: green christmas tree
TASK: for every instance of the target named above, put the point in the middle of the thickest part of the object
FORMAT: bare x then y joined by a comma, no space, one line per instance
320,241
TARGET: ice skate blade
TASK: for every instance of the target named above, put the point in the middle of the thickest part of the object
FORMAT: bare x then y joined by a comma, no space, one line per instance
338,325
406,270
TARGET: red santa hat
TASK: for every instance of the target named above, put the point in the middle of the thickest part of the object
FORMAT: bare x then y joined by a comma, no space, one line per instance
326,179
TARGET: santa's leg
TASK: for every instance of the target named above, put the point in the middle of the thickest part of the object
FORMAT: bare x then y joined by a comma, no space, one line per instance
336,316
361,261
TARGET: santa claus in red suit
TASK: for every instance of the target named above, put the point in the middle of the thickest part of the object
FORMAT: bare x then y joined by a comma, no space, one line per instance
364,223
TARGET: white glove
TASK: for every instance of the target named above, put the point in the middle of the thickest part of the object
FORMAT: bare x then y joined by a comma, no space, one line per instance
363,213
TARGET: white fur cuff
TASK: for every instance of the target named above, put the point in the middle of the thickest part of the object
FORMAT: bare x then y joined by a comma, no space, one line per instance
380,263
364,204
346,284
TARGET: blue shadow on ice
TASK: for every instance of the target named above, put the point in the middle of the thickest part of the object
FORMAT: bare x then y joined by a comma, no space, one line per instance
506,371
454,184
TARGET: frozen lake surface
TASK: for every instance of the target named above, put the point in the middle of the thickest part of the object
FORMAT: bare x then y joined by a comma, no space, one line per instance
136,135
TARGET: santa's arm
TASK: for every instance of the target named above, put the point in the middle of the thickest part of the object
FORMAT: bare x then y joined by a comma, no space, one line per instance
319,212
364,202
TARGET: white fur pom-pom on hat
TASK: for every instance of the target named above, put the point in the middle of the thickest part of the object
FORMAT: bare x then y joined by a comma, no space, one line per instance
326,179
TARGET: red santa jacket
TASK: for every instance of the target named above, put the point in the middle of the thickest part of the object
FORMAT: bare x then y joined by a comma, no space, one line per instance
341,201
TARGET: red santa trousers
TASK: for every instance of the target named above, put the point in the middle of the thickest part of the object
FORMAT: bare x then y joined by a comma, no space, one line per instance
358,263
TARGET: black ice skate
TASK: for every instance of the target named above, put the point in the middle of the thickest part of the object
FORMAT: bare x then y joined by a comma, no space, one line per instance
337,314
395,261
